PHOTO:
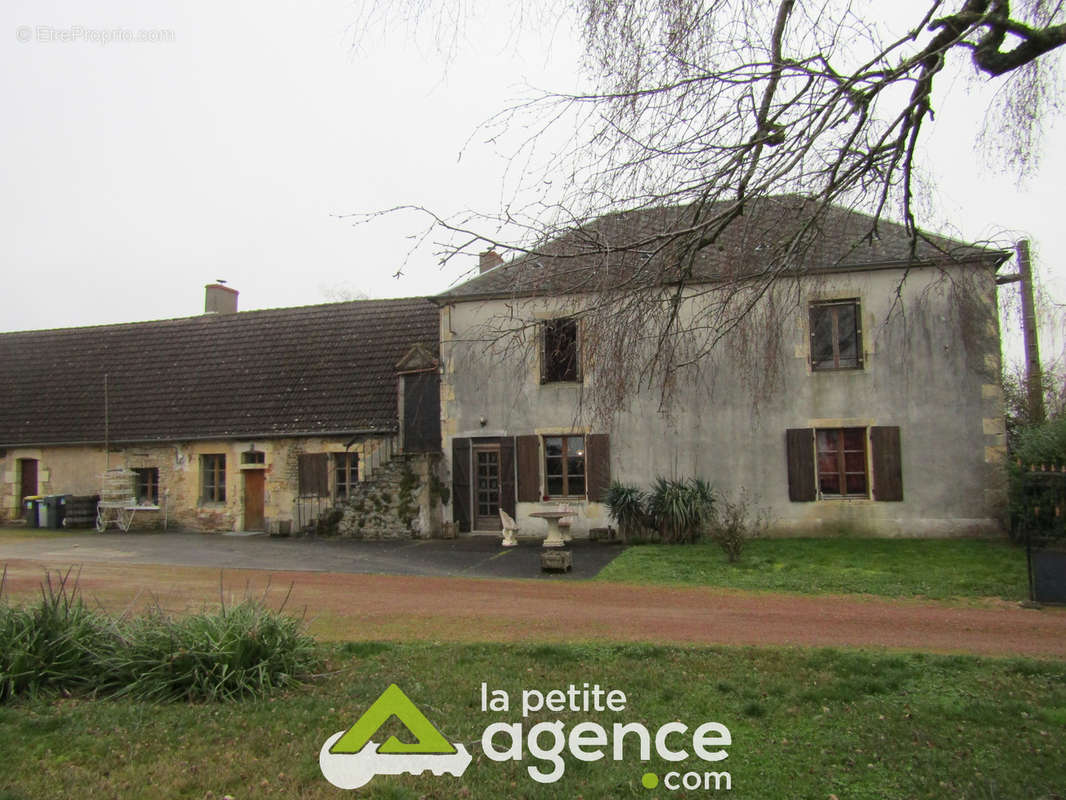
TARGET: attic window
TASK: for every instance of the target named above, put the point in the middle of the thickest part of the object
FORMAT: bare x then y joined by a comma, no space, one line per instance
559,359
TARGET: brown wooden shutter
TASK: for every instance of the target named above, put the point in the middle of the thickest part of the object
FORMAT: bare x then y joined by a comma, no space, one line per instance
314,474
507,487
887,463
799,447
461,483
527,449
598,465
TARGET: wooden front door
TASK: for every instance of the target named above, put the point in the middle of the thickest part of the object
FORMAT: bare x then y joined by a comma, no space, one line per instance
254,482
487,487
28,481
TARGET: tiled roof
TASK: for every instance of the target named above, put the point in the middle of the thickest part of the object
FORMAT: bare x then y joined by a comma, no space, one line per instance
630,248
314,369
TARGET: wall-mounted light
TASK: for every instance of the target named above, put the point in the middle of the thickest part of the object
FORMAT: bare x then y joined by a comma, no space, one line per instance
483,421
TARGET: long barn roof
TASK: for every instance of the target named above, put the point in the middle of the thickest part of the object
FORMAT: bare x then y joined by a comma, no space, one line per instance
308,370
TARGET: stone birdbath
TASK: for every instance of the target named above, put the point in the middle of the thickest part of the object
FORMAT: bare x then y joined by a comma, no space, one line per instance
555,534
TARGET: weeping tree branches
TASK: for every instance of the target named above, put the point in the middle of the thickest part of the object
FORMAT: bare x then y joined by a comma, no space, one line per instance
714,108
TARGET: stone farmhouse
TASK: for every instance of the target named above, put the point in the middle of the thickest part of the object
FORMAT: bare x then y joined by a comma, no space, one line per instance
883,415
873,403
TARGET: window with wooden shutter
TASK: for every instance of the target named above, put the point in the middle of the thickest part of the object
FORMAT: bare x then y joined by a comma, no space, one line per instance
887,463
314,474
598,449
799,451
564,466
461,483
527,456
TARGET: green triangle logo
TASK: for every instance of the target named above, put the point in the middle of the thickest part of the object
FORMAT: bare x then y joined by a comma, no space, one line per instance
393,702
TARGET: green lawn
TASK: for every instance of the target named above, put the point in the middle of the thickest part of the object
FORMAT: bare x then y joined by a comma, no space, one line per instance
804,724
938,569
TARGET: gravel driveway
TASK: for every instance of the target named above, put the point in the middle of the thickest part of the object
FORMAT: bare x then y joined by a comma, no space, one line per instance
471,556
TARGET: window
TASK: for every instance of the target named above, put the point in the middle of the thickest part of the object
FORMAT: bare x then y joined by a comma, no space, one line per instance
835,463
345,474
836,335
253,457
147,486
564,466
842,462
560,357
213,478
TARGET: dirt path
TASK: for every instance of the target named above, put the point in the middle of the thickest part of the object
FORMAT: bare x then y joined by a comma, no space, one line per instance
347,606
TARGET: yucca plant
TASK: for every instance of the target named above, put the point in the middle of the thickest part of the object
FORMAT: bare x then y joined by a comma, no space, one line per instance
626,505
679,509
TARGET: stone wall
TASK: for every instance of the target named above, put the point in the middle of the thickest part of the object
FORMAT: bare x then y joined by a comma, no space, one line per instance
402,500
78,470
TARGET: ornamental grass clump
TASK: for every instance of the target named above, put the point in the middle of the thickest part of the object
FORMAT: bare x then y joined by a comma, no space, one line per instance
52,645
61,645
236,653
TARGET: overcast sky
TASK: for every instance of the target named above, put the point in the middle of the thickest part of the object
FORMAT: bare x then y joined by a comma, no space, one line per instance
134,172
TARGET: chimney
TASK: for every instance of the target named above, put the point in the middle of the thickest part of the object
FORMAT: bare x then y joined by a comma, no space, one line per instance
219,299
487,260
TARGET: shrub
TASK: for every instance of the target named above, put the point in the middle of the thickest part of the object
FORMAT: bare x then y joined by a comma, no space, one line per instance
1031,492
733,523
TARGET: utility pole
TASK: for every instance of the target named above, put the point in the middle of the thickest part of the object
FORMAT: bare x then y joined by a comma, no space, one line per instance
1033,375
1034,378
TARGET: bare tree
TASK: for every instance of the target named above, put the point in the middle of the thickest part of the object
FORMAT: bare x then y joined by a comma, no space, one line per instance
708,108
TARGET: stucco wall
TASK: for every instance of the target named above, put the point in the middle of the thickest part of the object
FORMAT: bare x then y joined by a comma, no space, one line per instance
79,469
931,367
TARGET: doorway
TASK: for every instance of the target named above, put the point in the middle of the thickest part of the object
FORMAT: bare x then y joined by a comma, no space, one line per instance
254,484
28,479
487,487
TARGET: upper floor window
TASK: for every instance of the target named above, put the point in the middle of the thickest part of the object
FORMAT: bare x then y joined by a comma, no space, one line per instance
560,359
836,335
213,478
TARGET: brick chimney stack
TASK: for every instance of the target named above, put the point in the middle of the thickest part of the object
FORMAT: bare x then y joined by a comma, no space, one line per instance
220,299
487,260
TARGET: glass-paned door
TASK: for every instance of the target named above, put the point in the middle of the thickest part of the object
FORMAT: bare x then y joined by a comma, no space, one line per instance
487,487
